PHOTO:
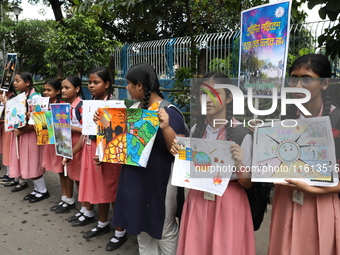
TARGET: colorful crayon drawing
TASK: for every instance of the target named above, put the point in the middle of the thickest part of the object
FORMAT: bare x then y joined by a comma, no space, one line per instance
89,109
9,71
37,104
50,129
304,151
264,47
15,112
40,126
203,164
62,129
126,136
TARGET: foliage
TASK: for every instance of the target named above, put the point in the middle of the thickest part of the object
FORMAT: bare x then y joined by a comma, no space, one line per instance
182,86
28,38
77,48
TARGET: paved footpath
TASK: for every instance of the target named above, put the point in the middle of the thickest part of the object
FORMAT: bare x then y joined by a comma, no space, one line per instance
33,229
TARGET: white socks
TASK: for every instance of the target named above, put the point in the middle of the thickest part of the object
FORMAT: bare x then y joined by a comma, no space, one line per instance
118,234
87,213
70,201
39,185
100,225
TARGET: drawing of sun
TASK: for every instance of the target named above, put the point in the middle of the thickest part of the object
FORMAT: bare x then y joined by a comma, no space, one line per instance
299,152
279,12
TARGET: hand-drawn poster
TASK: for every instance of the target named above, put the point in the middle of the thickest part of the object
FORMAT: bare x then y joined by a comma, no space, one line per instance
89,109
15,112
43,127
126,136
303,151
37,104
62,129
264,48
9,71
203,164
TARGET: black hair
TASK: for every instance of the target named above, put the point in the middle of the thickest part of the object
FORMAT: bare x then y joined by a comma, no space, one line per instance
56,85
104,74
320,65
76,82
217,78
27,77
146,75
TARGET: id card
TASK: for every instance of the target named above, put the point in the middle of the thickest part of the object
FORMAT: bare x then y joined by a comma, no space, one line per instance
298,197
88,140
209,196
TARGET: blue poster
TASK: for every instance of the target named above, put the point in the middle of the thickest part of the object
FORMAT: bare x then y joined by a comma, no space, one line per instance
264,44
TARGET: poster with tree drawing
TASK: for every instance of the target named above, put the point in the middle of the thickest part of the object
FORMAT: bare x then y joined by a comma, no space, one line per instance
62,129
203,164
15,112
126,136
300,149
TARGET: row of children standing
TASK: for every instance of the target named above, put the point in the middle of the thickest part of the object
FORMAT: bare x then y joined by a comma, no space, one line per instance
96,184
145,204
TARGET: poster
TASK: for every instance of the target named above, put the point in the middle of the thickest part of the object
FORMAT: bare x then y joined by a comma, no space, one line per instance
43,126
203,164
302,150
62,129
264,48
89,109
15,112
9,70
37,104
126,136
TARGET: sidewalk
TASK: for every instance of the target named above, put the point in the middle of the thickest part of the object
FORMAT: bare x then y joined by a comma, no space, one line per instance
33,229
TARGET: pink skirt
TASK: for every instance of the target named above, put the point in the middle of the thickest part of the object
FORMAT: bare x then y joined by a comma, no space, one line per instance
2,131
312,229
97,184
219,227
52,162
29,164
73,170
6,143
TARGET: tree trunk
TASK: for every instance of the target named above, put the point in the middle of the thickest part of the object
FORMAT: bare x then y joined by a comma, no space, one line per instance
56,7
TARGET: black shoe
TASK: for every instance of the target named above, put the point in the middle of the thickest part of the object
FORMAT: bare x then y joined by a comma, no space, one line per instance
55,207
19,187
99,231
111,246
37,199
30,195
5,176
65,207
6,180
78,222
11,183
74,217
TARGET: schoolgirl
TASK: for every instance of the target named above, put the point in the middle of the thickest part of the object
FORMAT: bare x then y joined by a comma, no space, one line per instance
222,225
52,162
28,164
70,90
146,201
98,181
314,227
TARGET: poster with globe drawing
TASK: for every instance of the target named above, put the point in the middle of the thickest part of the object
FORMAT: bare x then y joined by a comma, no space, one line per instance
203,164
126,136
300,149
264,48
15,112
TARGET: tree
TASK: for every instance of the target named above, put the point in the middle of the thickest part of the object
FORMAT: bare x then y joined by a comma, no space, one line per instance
77,48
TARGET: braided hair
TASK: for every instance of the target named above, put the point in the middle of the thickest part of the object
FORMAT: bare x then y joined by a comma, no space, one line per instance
104,74
320,65
217,78
146,75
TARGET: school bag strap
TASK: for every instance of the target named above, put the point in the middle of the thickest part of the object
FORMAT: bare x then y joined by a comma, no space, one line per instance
168,104
79,110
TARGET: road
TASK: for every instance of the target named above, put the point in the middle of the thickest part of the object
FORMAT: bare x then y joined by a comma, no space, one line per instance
33,229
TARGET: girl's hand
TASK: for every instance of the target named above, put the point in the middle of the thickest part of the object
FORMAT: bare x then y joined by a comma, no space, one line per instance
298,185
253,123
237,154
66,161
96,161
174,148
19,131
163,118
96,117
